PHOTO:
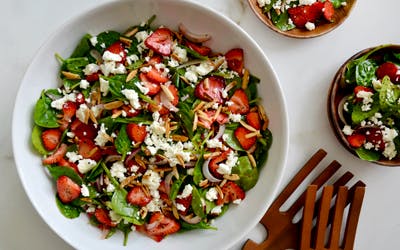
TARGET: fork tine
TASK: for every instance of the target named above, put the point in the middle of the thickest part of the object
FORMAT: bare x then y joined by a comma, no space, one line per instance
353,215
340,204
299,178
323,177
308,216
323,215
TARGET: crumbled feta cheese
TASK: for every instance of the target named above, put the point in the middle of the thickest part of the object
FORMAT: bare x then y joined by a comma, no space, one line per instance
102,137
306,2
310,26
118,170
93,40
104,86
214,143
180,54
226,168
212,194
81,112
133,97
91,68
109,56
262,3
347,130
142,88
110,188
141,35
235,117
85,165
191,76
180,207
151,179
115,217
237,201
58,104
186,192
131,59
85,191
216,210
84,84
73,156
388,134
204,68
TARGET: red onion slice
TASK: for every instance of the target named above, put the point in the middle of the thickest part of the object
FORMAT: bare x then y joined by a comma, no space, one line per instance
207,174
196,38
168,182
221,131
166,102
193,220
341,109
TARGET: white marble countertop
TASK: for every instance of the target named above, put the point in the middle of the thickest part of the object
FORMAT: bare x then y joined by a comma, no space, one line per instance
304,67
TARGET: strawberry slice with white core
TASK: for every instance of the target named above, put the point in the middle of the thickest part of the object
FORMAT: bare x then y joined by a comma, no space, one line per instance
160,41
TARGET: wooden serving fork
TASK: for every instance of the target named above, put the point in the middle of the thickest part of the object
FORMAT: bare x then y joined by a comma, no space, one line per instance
282,232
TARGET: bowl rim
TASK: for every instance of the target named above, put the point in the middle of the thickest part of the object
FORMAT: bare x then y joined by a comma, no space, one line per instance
15,135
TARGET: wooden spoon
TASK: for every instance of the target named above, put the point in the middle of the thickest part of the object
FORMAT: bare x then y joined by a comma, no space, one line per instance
321,28
339,90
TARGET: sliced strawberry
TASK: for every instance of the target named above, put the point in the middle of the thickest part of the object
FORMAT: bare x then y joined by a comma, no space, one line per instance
162,104
57,156
387,69
358,89
374,136
65,163
160,41
253,119
88,149
69,110
211,89
185,202
67,189
92,77
231,192
328,10
161,225
136,133
51,138
155,59
153,87
102,217
302,14
157,76
356,140
80,99
136,196
201,49
240,102
213,165
119,49
235,60
83,131
246,143
130,111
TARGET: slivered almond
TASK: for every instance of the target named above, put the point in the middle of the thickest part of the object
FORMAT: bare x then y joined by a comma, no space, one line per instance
244,124
206,84
199,106
167,127
180,159
217,112
70,75
86,114
219,191
204,115
218,63
126,41
92,116
230,86
127,181
253,134
143,212
175,172
140,161
222,183
252,160
86,199
245,79
261,112
146,190
195,121
204,183
173,128
207,156
131,75
113,105
184,79
175,212
231,177
166,90
131,32
116,114
209,105
162,169
181,138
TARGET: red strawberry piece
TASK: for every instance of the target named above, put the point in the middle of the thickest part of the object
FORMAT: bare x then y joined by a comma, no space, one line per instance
160,225
253,119
358,89
235,60
246,143
302,14
157,76
65,163
88,149
136,196
240,102
374,136
213,165
387,69
161,101
103,217
160,41
69,110
156,59
131,163
119,49
185,202
201,49
57,156
328,10
130,111
210,89
231,192
67,189
153,87
356,140
80,99
83,131
136,133
92,77
51,138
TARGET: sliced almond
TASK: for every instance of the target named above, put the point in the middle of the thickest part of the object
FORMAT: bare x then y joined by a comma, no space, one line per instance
70,75
219,191
175,212
131,32
252,160
181,138
244,124
203,183
131,75
169,94
222,183
230,86
126,41
218,62
199,106
127,181
92,116
206,84
207,156
116,114
195,122
231,177
217,112
180,159
113,105
253,134
245,79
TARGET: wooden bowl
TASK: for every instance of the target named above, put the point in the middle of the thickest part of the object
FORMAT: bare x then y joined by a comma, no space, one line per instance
322,28
339,90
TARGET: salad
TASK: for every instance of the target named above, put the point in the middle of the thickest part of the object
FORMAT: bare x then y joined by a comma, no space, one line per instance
303,14
151,131
370,111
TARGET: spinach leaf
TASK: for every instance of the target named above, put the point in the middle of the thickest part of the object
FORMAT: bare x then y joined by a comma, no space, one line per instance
358,115
116,84
389,96
197,204
94,173
126,229
105,39
263,145
176,185
281,21
44,115
69,211
186,116
201,225
230,139
36,140
247,173
337,3
198,172
121,207
83,47
57,171
123,143
74,65
365,72
367,155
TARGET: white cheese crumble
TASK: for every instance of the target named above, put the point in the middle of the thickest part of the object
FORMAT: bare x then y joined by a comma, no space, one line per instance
310,26
93,40
81,112
306,2
212,194
102,137
84,84
216,210
187,191
74,156
85,191
235,117
109,56
85,165
58,104
118,170
104,86
214,143
226,168
366,99
151,179
133,97
91,68
347,130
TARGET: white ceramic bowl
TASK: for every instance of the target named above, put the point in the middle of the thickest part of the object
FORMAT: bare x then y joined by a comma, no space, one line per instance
42,74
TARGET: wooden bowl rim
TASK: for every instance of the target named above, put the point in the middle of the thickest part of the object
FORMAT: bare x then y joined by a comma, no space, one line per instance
320,29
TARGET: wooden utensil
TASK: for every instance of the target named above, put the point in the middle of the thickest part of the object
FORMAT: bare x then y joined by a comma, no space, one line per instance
282,232
322,28
321,237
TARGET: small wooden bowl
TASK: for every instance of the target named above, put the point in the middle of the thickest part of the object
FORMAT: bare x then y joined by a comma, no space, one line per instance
322,28
339,89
